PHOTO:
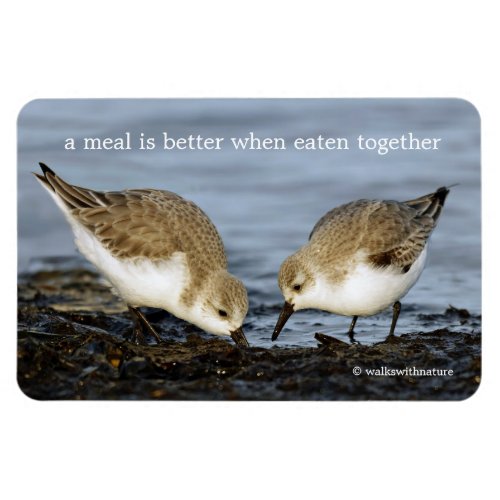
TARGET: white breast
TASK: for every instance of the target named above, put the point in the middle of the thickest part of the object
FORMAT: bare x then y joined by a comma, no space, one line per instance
367,290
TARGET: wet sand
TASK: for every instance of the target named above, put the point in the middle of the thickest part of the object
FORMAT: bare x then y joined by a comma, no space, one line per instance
71,345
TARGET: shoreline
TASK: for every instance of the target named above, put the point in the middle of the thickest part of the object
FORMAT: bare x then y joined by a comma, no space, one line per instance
70,346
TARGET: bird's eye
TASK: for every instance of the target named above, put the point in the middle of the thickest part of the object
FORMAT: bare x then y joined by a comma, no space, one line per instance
296,287
222,313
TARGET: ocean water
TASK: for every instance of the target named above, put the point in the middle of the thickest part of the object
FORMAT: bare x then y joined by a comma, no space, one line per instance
265,202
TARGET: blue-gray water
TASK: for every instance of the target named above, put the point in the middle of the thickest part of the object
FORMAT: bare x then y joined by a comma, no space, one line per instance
265,202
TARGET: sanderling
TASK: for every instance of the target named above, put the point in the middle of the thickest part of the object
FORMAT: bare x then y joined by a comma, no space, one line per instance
361,258
157,250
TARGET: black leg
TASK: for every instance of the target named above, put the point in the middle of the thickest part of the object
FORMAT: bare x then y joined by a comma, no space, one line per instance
396,308
351,328
137,333
148,326
142,323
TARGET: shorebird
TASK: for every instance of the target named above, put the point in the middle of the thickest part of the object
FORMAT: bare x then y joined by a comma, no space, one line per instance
157,250
361,258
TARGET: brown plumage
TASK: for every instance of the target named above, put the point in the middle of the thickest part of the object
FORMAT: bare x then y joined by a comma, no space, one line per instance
143,223
361,258
390,232
157,250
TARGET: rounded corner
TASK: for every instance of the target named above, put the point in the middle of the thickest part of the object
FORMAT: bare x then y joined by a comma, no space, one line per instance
474,392
24,393
471,105
26,105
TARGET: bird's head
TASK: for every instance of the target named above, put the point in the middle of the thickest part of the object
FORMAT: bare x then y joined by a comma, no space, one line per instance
223,307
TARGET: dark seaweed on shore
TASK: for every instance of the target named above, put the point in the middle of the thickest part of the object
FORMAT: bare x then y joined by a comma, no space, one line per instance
70,346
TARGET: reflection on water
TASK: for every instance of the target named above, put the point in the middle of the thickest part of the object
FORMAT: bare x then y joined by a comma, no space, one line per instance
265,202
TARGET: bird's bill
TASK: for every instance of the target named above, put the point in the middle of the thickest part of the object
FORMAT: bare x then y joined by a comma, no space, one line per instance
285,313
239,338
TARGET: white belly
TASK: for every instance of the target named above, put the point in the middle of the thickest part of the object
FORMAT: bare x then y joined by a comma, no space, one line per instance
368,290
139,282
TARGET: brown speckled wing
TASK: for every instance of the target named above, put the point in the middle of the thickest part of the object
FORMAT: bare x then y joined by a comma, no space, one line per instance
343,220
144,223
153,224
403,229
392,233
397,235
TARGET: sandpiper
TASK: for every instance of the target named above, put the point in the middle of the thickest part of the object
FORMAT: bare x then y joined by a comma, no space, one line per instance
361,258
157,250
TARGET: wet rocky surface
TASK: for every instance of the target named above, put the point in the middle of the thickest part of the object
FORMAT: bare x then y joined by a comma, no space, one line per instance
72,345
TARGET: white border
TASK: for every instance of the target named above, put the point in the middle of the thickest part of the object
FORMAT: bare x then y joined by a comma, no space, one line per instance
250,450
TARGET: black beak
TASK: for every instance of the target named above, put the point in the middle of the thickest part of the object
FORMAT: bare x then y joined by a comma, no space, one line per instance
285,313
239,338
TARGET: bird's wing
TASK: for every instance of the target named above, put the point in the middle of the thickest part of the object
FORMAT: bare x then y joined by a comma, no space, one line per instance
144,223
397,235
389,232
430,204
402,229
342,220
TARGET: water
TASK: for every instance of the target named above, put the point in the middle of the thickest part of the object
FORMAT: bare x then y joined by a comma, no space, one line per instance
265,202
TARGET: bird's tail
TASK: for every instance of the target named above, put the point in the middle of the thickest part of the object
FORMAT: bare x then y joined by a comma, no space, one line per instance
67,195
430,204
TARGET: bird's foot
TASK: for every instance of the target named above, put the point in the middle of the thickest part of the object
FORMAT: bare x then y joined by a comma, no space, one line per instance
137,336
351,334
392,339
